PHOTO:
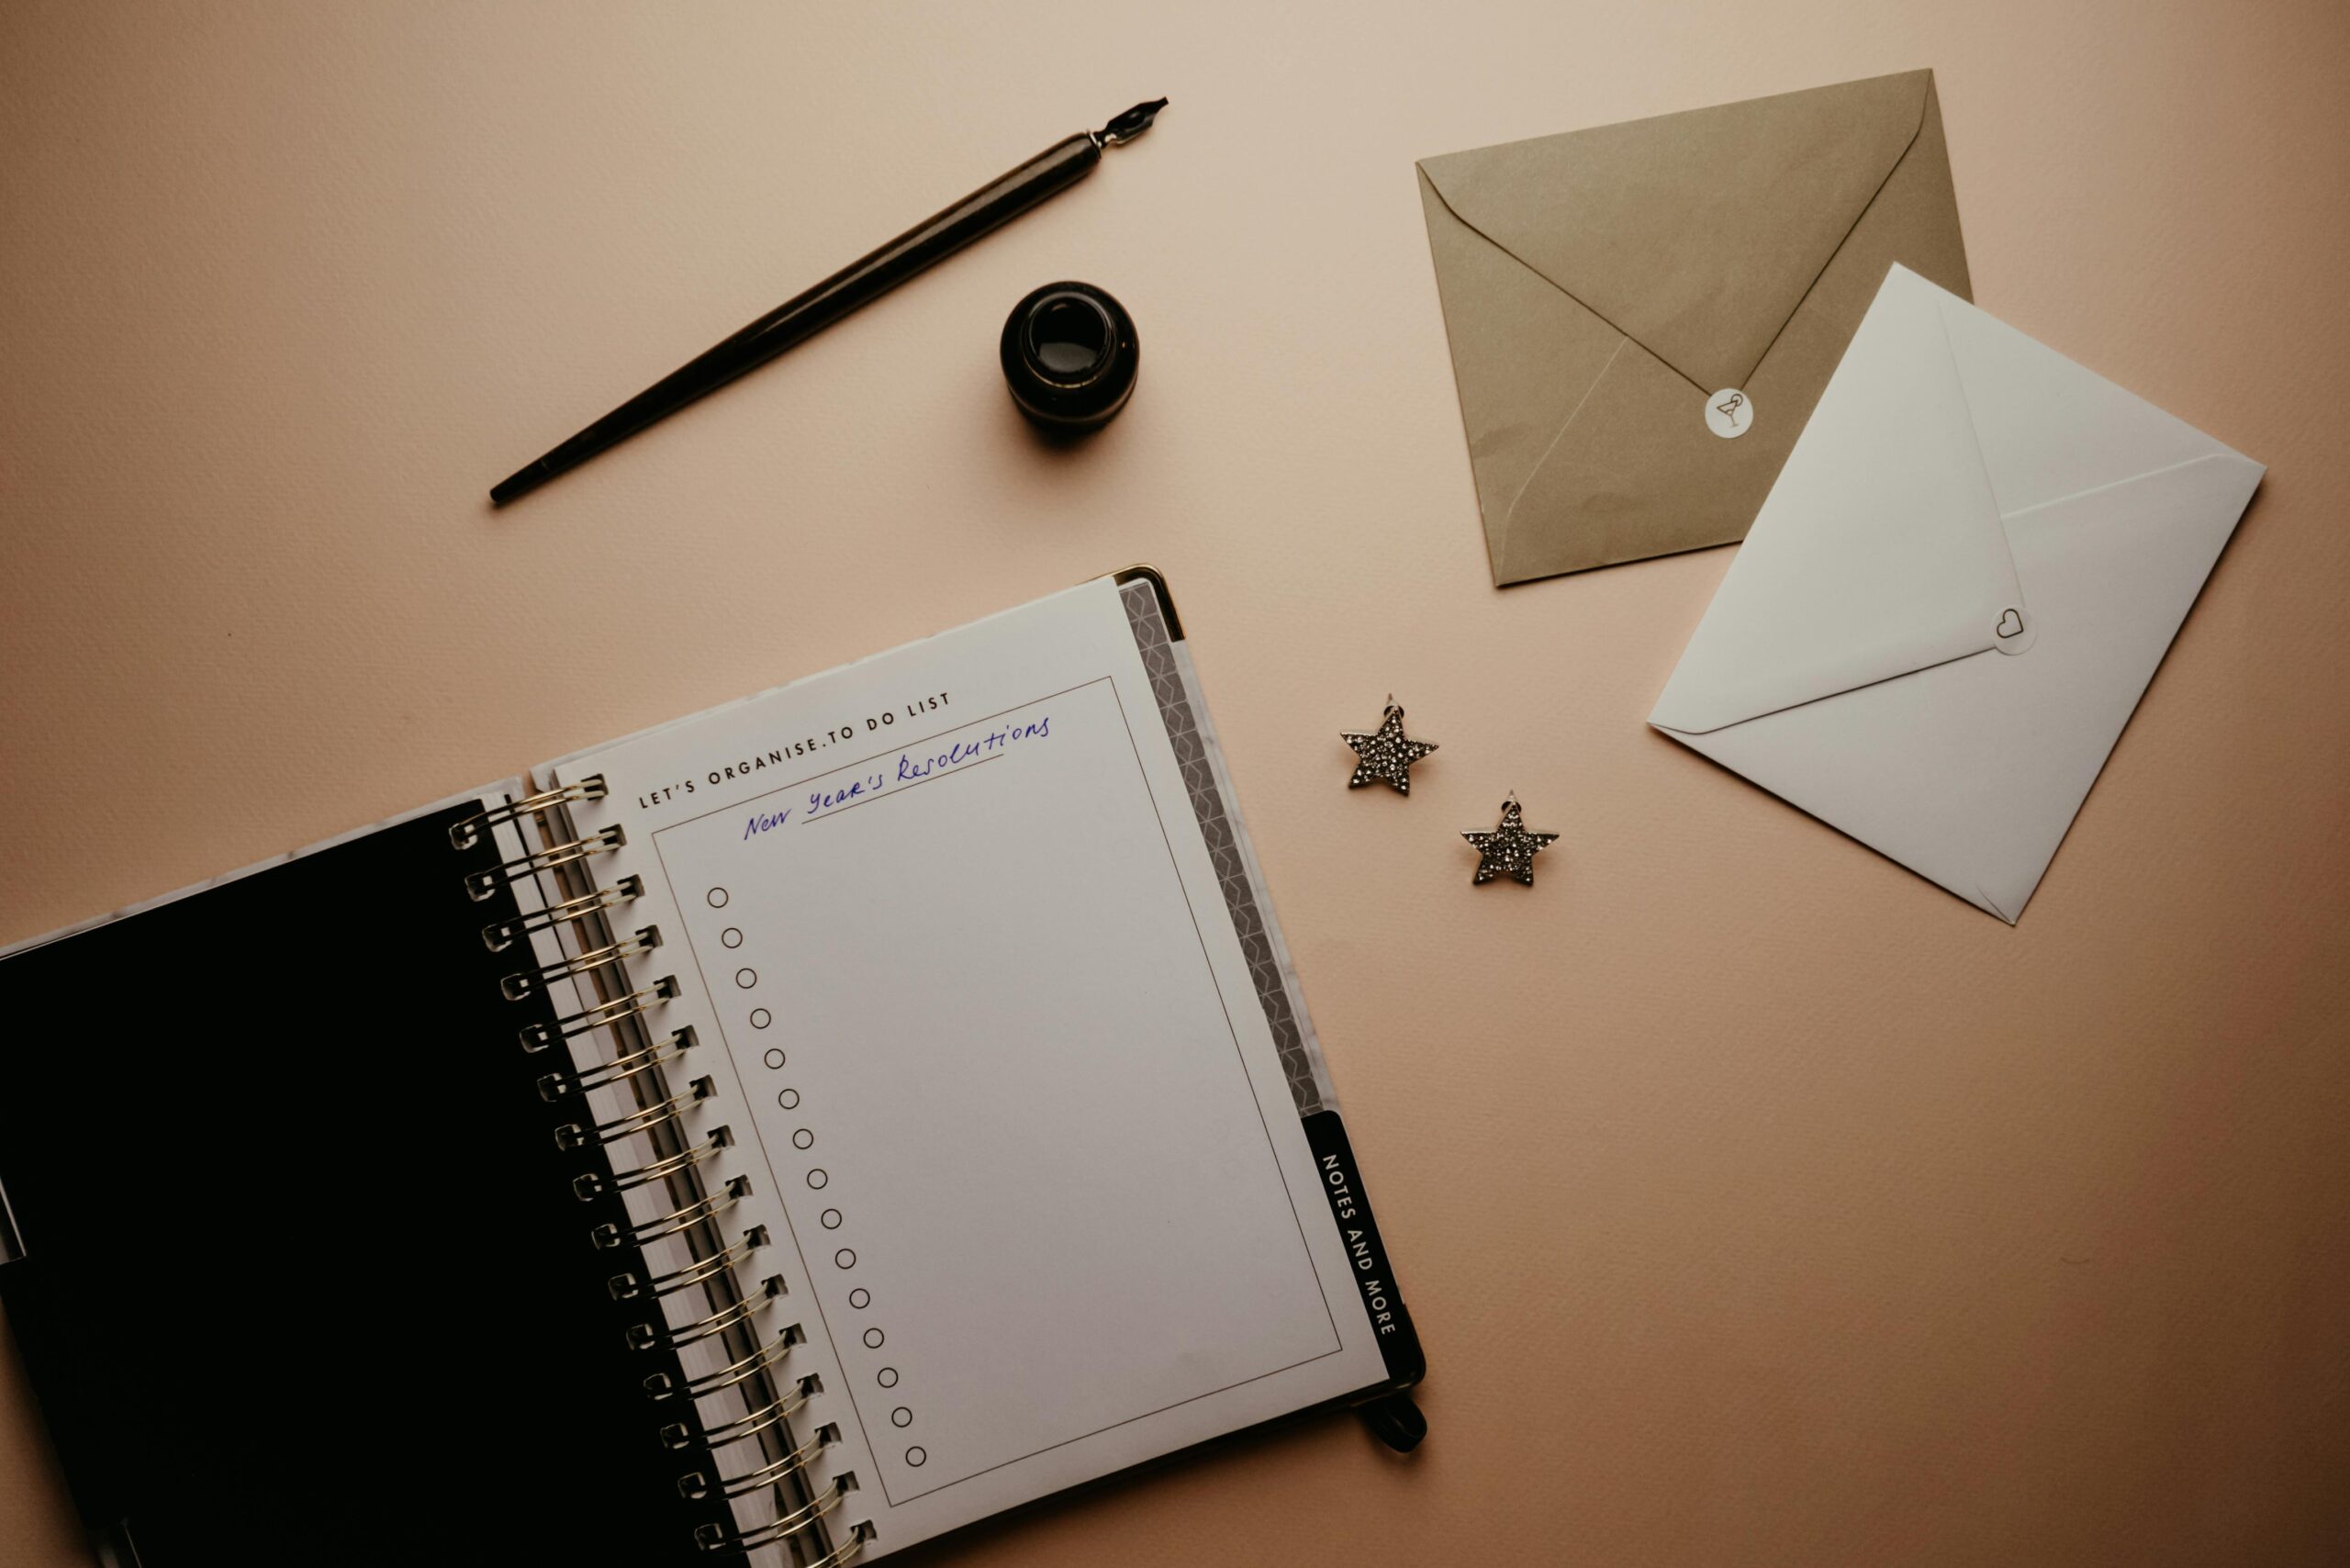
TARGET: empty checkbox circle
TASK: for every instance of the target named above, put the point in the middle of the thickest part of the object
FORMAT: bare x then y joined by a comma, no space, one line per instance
844,1259
830,1218
802,1139
887,1377
817,1178
717,897
746,978
915,1457
901,1416
761,1017
860,1298
732,936
873,1338
774,1059
787,1098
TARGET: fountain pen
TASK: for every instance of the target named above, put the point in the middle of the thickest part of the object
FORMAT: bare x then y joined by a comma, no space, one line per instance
1053,170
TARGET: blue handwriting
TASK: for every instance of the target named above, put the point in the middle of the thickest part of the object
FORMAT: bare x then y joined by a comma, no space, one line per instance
911,767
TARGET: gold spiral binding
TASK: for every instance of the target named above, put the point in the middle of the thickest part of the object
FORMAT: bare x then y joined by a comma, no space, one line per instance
641,1063
539,1037
593,1185
468,833
677,1222
717,1538
500,934
700,1487
559,1085
480,885
661,1386
660,1337
678,1435
628,1287
848,1551
580,1135
527,984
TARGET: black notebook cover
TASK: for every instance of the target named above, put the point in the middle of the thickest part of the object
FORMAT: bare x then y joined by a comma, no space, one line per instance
303,1278
299,1272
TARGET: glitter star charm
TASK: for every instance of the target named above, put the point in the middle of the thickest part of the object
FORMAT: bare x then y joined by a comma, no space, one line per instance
1509,849
1386,753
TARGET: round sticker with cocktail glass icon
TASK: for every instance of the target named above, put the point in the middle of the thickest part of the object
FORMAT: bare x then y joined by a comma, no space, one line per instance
1729,413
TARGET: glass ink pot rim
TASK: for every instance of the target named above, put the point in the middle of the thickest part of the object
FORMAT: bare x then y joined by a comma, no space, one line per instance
1065,395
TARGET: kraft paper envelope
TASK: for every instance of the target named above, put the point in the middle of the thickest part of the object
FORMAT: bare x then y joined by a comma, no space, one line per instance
1959,587
1605,290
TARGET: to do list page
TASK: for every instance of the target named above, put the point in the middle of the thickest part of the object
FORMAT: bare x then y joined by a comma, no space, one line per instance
992,1060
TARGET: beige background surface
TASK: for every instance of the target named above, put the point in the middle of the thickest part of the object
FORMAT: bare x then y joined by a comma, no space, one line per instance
1760,1204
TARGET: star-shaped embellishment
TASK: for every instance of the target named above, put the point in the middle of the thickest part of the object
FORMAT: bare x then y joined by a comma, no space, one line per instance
1509,849
1386,753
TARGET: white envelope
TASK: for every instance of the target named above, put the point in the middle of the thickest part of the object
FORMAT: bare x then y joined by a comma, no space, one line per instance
1956,594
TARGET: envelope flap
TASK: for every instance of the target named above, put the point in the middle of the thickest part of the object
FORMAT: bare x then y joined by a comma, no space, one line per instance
1880,550
1696,234
2050,428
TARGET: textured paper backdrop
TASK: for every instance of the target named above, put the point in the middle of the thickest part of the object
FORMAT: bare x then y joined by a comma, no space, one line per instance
1759,1203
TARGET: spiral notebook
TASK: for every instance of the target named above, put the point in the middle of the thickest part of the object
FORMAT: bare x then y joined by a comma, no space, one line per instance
799,1130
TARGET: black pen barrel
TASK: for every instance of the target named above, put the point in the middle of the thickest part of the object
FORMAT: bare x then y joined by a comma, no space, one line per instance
810,311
